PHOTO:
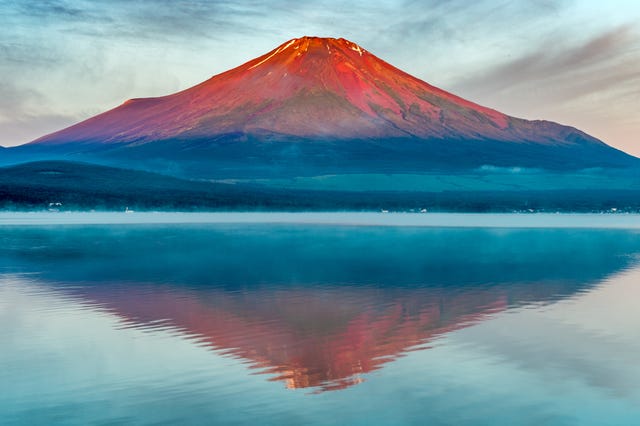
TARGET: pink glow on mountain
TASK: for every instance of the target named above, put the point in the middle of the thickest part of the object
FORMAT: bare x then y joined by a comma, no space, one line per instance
307,87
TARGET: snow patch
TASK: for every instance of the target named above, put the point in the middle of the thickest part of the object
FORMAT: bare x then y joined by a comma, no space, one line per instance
357,48
278,50
287,45
264,60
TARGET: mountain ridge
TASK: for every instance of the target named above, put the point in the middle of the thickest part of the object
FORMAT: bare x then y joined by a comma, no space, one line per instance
314,106
312,76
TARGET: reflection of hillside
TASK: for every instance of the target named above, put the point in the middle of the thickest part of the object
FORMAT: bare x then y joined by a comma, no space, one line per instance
322,337
315,306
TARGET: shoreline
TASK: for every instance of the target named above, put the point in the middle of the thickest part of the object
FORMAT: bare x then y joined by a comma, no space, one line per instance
421,220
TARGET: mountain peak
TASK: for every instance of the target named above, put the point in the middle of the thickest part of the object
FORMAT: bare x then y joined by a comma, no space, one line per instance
313,88
324,48
311,42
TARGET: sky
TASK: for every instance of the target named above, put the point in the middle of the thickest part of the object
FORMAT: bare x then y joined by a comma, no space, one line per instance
576,62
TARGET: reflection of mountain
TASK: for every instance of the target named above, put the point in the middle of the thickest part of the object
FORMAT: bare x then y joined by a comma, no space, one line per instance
313,337
316,306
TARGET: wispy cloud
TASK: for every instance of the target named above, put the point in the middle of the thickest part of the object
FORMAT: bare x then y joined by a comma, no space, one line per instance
591,83
554,60
21,113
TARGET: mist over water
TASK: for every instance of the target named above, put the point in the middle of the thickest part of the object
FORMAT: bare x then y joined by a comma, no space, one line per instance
318,323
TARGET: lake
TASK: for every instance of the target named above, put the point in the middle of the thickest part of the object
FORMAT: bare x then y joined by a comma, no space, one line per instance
345,318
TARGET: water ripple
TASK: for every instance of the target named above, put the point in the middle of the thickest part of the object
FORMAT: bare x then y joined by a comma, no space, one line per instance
178,324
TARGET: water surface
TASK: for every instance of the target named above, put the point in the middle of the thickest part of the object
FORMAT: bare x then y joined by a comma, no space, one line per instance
314,322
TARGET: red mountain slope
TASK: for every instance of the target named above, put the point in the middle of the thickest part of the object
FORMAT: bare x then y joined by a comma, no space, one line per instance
313,88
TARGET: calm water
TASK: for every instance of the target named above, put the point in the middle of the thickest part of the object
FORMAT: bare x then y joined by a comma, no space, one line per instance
316,321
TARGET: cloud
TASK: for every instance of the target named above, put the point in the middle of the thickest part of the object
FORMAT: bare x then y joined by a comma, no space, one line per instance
50,9
555,60
162,20
590,83
21,117
28,128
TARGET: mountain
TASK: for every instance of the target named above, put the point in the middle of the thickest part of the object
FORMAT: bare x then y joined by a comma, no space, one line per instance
311,87
317,106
